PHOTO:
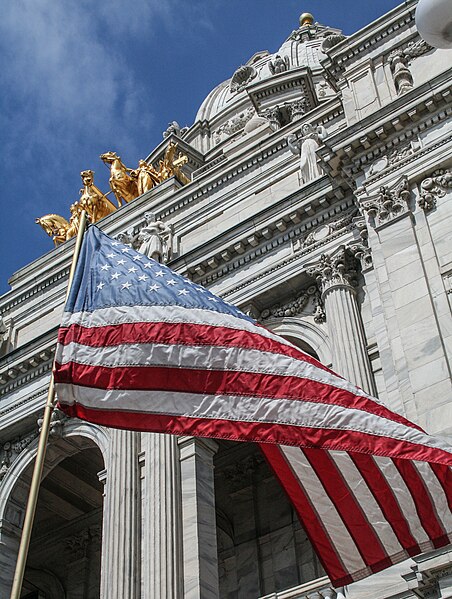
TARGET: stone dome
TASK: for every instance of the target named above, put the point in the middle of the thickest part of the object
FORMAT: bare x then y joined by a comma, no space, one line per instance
303,48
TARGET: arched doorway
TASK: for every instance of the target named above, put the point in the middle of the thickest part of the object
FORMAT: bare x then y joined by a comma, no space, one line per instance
64,558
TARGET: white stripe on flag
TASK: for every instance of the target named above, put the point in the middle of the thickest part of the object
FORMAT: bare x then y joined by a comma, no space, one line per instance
327,514
404,499
436,492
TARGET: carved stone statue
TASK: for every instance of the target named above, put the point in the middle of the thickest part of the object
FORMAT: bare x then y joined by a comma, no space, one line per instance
306,147
153,238
55,226
279,65
92,199
122,184
146,176
174,129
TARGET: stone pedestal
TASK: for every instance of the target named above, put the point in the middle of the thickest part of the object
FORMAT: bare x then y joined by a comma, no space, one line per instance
162,518
198,517
120,548
336,277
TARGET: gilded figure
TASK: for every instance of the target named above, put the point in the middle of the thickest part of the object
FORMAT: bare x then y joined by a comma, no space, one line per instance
55,226
96,204
171,165
122,184
146,176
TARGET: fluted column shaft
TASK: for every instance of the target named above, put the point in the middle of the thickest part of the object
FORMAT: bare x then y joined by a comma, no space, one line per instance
350,358
162,537
120,546
336,277
198,517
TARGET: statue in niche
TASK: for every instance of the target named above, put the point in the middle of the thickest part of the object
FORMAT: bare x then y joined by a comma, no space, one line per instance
305,147
96,204
146,176
279,65
122,184
154,239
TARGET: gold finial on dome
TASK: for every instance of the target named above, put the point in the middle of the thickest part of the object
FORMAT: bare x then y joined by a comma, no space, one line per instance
306,19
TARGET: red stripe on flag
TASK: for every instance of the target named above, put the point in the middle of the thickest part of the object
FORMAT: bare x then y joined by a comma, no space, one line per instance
424,505
260,432
384,496
308,516
180,334
363,534
444,476
218,382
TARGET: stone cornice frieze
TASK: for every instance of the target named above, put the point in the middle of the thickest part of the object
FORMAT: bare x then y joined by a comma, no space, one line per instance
349,150
280,267
27,363
262,240
369,37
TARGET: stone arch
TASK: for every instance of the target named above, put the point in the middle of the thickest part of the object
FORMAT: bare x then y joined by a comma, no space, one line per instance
306,335
72,441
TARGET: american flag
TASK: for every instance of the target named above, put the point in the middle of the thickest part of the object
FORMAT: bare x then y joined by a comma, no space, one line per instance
143,348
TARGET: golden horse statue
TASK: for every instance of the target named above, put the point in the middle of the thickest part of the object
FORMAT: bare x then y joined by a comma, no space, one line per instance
55,226
122,184
96,204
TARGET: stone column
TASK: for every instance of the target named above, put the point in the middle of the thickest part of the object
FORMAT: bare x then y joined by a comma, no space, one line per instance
9,547
198,517
336,277
120,547
162,518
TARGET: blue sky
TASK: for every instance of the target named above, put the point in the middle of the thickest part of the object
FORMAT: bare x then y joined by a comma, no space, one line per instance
79,78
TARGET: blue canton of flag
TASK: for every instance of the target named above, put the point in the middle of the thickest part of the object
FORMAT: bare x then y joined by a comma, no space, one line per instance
117,275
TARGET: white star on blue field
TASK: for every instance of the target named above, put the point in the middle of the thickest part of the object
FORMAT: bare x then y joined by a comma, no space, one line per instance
81,78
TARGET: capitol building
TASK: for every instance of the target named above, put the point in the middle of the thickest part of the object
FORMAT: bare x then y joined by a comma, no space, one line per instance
314,192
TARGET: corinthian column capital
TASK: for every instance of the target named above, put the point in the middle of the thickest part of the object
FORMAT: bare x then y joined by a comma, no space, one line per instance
335,270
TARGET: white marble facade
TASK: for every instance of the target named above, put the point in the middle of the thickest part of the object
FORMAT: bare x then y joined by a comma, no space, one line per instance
351,259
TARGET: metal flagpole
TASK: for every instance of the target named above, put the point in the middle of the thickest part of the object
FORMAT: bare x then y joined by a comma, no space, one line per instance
42,446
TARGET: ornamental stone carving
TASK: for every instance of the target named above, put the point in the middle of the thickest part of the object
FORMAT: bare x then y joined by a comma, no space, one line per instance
388,203
331,40
279,65
233,125
11,450
297,109
274,116
338,269
78,544
399,61
307,302
325,231
57,422
434,187
242,77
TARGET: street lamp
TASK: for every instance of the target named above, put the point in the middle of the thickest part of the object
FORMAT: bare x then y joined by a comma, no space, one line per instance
434,22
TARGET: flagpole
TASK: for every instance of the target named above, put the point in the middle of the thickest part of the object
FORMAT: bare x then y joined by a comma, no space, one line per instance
42,446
